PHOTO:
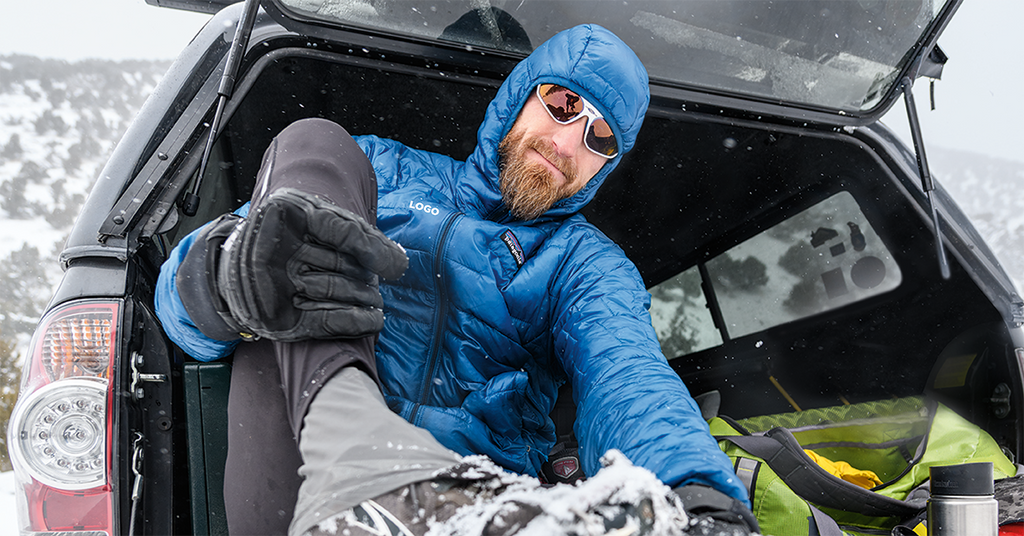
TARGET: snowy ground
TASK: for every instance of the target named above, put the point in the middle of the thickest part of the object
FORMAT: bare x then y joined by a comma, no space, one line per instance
8,517
567,508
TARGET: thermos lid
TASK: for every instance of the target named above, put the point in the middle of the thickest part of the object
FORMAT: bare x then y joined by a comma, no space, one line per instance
964,479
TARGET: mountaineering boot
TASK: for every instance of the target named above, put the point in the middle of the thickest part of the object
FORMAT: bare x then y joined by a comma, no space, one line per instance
478,498
414,508
353,447
368,471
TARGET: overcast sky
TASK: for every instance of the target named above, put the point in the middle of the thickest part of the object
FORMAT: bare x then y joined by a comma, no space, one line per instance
979,99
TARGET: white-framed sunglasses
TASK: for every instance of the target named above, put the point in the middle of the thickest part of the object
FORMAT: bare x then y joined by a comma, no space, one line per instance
565,106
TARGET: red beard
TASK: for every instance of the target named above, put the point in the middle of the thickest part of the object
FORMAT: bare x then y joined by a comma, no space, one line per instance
528,188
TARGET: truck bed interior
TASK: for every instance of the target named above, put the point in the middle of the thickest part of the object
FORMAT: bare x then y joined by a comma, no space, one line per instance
694,187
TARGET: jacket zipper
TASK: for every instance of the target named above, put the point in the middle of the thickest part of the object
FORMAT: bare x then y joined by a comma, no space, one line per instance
439,316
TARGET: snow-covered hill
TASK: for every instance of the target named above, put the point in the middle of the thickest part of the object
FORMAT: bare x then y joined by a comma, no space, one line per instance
8,508
59,122
991,192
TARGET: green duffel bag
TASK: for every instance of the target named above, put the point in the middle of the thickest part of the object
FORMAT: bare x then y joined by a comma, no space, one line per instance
897,440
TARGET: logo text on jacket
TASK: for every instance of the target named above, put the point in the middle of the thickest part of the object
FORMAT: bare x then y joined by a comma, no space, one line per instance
425,208
514,248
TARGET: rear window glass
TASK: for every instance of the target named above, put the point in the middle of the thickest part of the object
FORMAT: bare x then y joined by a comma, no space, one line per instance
843,55
681,317
821,259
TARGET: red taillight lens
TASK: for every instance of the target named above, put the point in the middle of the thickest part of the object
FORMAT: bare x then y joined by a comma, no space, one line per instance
53,510
60,431
1013,529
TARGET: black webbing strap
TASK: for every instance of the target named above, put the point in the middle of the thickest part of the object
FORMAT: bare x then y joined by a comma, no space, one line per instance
781,451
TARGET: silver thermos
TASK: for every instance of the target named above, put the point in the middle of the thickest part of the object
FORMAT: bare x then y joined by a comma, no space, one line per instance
962,502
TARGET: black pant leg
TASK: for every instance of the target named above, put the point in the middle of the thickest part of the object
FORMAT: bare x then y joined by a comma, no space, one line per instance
273,383
318,156
261,475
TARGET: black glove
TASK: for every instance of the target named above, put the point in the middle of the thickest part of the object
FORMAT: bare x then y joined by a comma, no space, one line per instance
298,267
713,512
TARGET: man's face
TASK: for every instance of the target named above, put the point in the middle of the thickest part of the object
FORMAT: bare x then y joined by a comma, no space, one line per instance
543,161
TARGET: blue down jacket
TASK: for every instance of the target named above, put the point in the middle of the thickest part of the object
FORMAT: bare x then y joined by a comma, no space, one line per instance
493,315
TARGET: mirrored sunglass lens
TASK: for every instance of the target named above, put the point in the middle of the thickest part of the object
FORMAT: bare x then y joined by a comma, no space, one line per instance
563,104
600,138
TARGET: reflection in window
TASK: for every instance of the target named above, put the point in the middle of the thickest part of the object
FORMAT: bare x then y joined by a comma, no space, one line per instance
681,316
823,258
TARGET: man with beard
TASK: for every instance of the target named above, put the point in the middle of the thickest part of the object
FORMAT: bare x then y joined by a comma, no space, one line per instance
499,293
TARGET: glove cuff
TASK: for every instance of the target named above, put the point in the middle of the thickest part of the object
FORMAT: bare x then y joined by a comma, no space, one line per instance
702,501
197,282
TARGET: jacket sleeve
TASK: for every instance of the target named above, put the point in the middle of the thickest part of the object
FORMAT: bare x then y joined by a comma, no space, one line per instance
628,397
175,320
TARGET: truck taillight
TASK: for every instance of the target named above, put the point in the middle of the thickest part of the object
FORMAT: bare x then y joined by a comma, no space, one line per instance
60,432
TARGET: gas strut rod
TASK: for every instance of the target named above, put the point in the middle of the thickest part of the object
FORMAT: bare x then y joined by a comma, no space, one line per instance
922,167
190,202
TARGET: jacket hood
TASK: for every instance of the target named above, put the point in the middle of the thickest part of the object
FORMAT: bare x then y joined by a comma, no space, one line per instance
587,59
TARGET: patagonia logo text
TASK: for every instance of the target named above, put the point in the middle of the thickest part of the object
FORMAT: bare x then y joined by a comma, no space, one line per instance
514,248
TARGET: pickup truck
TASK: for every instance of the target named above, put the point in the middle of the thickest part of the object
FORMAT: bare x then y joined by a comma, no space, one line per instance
799,256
